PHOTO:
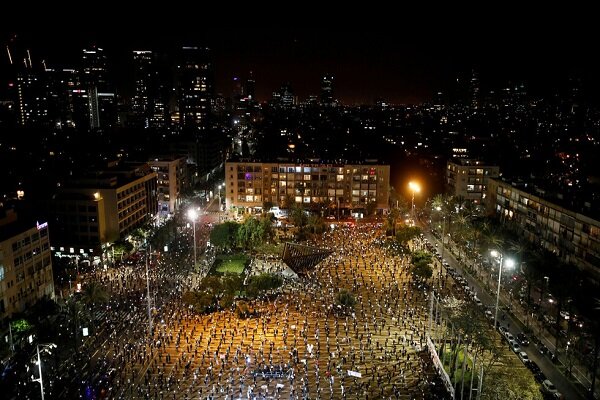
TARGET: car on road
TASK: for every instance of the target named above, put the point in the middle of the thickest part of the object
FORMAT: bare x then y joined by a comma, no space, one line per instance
543,349
548,387
515,347
522,339
532,365
523,357
540,377
502,330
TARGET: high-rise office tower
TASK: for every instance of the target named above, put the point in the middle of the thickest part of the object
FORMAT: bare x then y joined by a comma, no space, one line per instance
99,90
26,83
32,98
250,91
474,90
149,101
327,90
195,87
60,84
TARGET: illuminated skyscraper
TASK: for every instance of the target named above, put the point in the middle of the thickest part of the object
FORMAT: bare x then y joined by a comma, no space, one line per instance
100,94
149,104
327,90
32,98
195,87
474,90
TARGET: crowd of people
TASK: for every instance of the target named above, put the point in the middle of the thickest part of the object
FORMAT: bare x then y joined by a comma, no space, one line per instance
301,344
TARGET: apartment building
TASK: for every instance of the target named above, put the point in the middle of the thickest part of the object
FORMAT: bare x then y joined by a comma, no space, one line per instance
102,207
250,184
25,264
171,180
468,179
572,235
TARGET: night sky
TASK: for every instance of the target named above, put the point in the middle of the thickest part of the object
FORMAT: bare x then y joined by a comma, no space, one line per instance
401,66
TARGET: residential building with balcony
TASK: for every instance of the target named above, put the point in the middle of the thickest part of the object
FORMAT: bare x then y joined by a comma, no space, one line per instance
312,184
545,222
468,179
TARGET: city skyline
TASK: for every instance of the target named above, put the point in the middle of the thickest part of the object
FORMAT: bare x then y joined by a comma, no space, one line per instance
366,66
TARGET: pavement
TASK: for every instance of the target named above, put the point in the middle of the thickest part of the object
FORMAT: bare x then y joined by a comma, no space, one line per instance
515,324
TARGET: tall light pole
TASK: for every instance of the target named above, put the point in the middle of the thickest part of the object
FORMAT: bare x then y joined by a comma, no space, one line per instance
148,291
415,189
438,208
48,347
192,214
509,264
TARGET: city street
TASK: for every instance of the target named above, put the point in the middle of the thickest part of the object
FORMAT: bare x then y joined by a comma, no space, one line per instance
511,322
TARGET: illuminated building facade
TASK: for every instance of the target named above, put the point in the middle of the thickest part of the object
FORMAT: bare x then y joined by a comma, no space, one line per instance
573,236
103,207
249,184
195,87
171,180
468,179
25,264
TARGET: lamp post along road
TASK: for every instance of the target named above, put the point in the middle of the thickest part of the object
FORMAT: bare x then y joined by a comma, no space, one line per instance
148,291
415,188
40,380
509,264
192,214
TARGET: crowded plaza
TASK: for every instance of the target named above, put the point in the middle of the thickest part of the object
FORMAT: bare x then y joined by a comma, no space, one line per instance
298,342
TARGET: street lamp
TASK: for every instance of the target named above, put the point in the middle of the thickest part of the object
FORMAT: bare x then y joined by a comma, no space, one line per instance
415,189
220,186
47,347
438,208
509,264
192,214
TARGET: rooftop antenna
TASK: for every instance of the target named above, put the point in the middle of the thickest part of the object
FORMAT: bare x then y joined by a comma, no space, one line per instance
29,58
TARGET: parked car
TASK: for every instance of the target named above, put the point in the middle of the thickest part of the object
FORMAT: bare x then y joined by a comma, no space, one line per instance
515,347
540,377
523,357
548,387
532,365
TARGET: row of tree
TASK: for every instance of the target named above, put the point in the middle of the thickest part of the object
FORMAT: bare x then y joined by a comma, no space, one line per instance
248,235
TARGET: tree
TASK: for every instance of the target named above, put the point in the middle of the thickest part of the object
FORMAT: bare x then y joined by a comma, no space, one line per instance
371,207
94,294
346,299
298,216
421,268
315,223
391,220
267,205
406,233
224,235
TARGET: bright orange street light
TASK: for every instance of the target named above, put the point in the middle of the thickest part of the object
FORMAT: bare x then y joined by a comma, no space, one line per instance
416,188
